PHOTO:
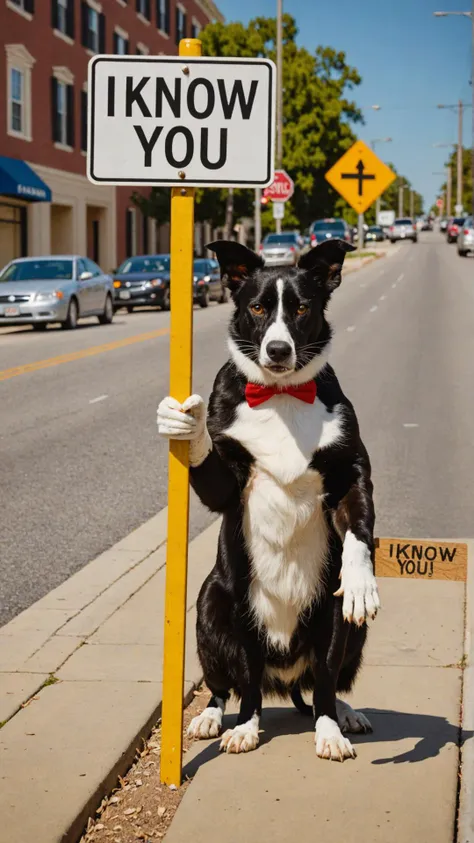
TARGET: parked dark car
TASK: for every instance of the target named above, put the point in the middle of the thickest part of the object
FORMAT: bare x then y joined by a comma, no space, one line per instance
375,233
455,225
207,282
326,229
143,281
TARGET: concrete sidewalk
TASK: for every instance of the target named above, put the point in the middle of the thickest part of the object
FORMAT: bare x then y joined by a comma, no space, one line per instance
403,786
80,683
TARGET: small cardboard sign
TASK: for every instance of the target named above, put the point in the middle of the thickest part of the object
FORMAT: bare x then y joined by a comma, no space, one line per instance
421,559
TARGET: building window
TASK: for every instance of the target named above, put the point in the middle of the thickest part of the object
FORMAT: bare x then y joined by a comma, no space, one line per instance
130,232
142,49
180,24
120,43
84,121
19,66
63,112
16,100
195,28
26,6
163,16
93,28
62,12
143,8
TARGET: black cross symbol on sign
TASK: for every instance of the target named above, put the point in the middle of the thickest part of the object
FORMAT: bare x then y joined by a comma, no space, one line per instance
360,176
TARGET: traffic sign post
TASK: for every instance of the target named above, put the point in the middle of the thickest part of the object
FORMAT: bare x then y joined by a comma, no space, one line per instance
281,189
180,122
278,210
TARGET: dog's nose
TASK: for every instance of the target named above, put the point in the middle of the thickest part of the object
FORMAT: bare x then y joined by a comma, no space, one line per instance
277,350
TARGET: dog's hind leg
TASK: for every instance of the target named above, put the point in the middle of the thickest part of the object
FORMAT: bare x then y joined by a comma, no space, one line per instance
208,724
348,719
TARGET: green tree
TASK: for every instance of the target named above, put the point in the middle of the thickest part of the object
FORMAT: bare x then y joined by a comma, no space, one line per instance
466,179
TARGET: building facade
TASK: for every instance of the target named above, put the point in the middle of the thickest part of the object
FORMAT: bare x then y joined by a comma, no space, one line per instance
47,204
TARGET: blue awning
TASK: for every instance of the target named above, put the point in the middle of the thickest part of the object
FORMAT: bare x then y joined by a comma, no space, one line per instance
18,179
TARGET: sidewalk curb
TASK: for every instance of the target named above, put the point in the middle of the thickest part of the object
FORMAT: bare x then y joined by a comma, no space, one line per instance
465,819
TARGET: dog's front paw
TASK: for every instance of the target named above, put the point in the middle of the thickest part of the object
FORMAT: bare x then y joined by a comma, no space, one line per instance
350,720
242,738
181,421
330,742
358,583
206,725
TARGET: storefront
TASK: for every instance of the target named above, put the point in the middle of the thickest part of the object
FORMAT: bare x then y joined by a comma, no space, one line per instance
19,186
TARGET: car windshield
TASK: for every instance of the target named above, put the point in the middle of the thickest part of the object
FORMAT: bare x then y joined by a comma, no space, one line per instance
275,239
154,264
200,266
374,228
38,270
457,221
328,226
403,222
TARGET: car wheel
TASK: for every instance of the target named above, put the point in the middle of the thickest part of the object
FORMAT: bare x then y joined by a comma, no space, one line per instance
415,240
462,253
130,308
166,303
204,299
225,296
72,316
40,326
107,316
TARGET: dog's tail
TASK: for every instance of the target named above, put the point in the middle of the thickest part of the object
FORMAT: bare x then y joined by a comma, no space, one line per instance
299,702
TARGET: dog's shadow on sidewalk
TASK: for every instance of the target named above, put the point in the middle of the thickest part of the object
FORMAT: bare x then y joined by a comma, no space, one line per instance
430,733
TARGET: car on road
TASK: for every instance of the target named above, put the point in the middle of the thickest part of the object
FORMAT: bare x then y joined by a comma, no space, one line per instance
455,224
443,224
329,228
375,233
281,249
403,229
143,281
54,288
466,238
208,285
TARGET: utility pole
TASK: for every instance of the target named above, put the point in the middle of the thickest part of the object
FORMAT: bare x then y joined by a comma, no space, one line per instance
400,200
412,204
229,214
459,157
449,190
279,62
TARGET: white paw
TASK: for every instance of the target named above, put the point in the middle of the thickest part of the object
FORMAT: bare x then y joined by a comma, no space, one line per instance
242,738
350,720
182,421
206,725
330,742
358,583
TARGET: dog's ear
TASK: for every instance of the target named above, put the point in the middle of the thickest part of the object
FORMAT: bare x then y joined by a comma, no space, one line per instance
325,262
236,262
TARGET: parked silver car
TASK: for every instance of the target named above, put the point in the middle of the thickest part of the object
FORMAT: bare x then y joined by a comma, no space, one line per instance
403,229
281,249
54,288
466,238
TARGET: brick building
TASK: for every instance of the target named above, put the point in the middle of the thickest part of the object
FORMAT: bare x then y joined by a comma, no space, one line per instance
46,202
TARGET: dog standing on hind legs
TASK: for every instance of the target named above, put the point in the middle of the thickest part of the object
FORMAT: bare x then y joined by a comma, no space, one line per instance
279,455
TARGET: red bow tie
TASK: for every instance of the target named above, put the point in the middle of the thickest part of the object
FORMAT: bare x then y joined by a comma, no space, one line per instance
257,394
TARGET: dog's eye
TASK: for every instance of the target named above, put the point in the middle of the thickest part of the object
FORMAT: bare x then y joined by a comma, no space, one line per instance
303,308
257,309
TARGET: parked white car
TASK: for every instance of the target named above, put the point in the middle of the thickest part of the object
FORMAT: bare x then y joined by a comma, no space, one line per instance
465,239
54,288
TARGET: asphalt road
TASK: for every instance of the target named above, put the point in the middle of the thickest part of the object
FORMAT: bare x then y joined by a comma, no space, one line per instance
82,464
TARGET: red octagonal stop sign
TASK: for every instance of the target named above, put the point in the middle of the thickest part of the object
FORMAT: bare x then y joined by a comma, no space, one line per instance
281,189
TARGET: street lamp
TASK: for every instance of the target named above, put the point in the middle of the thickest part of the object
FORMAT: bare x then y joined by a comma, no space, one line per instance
465,14
372,144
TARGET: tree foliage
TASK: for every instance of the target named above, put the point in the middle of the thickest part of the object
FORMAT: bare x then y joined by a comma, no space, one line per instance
466,179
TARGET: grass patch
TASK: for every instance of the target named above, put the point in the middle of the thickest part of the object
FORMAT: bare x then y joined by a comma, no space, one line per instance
51,680
361,255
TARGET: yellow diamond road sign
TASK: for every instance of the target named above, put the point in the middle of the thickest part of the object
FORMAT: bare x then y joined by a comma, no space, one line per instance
360,177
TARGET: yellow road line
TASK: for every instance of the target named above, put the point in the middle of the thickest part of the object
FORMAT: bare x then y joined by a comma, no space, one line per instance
6,374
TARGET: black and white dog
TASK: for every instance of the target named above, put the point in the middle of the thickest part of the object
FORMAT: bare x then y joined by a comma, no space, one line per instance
280,456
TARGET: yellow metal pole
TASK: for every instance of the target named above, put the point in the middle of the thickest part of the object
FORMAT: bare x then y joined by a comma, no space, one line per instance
181,348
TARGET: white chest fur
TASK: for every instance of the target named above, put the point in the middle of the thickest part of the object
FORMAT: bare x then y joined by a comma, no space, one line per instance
284,526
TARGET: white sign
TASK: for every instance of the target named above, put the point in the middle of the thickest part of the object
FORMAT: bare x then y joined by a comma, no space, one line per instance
458,210
171,120
278,210
386,218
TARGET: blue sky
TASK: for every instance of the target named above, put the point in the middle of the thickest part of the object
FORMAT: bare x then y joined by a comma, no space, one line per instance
409,62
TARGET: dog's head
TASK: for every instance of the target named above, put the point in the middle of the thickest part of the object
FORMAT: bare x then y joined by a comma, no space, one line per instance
278,331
